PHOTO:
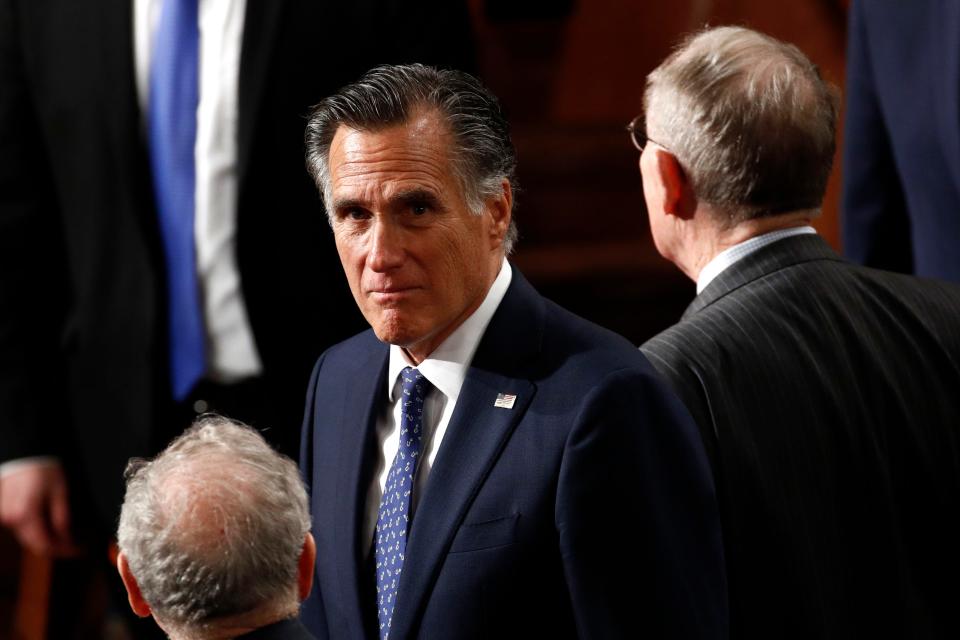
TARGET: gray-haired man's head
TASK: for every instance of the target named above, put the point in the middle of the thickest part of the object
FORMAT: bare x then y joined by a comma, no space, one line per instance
749,119
482,154
214,531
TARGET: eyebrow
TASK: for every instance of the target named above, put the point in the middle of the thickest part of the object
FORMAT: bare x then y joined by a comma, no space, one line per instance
417,195
349,203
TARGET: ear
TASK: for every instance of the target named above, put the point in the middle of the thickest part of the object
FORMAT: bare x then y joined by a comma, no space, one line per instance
499,208
137,603
678,197
305,566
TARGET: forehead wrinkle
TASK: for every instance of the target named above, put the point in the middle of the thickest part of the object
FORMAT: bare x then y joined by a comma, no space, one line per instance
388,152
385,186
423,141
386,180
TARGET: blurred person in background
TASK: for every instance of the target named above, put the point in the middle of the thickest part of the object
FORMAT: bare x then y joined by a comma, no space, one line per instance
901,156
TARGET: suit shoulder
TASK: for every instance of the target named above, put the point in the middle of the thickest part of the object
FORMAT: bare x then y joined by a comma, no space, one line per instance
565,329
348,352
928,290
677,352
564,324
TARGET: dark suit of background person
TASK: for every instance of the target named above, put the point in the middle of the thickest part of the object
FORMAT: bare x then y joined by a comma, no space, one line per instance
901,160
825,393
82,334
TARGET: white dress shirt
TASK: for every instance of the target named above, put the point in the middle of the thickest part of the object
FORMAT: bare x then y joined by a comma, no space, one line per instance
728,256
232,354
445,368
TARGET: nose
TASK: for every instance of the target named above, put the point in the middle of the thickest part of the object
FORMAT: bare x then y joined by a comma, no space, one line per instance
386,246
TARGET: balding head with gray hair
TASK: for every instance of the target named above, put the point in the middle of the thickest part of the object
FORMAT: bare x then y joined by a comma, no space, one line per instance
213,529
749,119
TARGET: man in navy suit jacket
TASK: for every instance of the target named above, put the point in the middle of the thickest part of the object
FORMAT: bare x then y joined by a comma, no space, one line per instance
901,160
557,488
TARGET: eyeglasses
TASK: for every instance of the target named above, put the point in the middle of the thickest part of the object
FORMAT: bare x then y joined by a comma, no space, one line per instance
638,133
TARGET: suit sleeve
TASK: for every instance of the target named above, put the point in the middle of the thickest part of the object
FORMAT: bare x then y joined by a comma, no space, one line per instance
32,289
312,612
875,223
637,517
678,370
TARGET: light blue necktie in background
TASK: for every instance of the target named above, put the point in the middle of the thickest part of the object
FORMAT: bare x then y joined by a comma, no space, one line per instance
172,123
393,516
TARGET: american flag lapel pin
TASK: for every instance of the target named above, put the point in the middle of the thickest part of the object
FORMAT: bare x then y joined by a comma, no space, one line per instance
505,400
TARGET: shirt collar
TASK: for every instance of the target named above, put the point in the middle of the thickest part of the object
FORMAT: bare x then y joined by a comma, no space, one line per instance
729,256
446,368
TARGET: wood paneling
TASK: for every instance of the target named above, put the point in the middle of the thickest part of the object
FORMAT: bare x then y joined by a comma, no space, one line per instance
570,84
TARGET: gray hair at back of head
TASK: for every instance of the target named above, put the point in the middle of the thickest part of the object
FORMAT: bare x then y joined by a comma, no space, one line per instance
214,526
750,120
482,156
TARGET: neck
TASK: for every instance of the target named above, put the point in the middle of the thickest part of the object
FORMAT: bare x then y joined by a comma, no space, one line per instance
418,352
711,238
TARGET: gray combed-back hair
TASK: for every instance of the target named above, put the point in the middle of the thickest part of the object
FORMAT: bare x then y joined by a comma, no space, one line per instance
214,526
749,118
482,156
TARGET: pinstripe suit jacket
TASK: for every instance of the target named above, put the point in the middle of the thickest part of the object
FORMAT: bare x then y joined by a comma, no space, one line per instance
828,396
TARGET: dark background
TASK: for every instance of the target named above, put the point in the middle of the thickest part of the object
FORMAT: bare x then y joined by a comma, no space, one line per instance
571,75
570,83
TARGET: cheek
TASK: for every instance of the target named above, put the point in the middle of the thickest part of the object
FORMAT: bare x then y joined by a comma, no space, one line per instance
349,248
466,272
352,262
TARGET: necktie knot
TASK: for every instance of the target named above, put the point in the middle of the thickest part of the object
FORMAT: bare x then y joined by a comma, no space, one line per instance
415,387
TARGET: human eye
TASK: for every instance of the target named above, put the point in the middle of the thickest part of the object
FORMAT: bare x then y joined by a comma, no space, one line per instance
418,203
419,208
351,213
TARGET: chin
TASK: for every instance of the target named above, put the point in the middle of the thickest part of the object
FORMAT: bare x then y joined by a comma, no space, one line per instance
393,328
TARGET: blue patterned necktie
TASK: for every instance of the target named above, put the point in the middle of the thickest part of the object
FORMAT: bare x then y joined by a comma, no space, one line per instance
393,519
172,124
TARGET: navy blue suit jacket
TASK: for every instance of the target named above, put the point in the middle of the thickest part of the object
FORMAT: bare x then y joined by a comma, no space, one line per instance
586,510
901,162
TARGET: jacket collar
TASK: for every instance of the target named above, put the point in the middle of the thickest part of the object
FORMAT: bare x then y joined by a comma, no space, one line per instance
477,433
773,257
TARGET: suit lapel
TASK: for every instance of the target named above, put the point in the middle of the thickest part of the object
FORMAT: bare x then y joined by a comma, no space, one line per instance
773,257
475,437
354,474
260,31
122,116
116,43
